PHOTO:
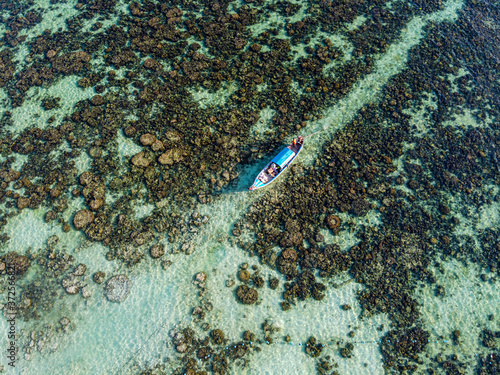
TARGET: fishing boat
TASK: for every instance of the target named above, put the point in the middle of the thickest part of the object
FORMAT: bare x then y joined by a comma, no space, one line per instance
278,165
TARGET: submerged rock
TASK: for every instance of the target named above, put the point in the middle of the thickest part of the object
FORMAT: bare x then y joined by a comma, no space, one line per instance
23,202
360,207
313,348
170,157
182,348
244,275
83,218
273,283
217,336
147,139
149,63
157,145
86,292
98,277
201,277
14,264
292,238
117,288
64,321
97,100
71,284
332,222
139,160
80,270
86,178
157,251
51,53
246,295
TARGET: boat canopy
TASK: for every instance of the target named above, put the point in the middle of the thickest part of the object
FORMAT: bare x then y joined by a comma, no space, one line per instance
283,157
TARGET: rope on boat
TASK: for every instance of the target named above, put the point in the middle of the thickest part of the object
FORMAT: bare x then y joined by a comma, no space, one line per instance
310,135
328,343
332,343
342,342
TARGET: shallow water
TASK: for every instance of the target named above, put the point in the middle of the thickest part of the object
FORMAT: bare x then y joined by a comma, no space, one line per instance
453,286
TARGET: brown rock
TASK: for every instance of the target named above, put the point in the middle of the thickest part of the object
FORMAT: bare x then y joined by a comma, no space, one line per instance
153,22
98,277
86,178
95,152
50,215
97,100
130,131
95,204
83,218
51,53
170,157
10,175
291,238
72,289
290,255
157,251
147,139
173,136
83,56
54,193
95,191
246,295
157,145
23,202
201,277
217,336
174,12
140,161
15,264
181,348
84,82
149,63
332,222
239,43
445,210
360,207
256,47
244,275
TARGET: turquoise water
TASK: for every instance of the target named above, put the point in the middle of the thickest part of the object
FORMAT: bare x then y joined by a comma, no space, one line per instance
398,97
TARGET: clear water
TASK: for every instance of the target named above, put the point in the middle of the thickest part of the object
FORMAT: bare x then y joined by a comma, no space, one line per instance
123,338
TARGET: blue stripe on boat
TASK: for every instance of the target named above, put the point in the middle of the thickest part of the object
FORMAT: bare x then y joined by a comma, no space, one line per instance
283,157
258,184
283,160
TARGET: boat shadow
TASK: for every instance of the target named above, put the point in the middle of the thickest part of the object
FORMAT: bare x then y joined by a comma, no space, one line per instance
237,186
228,190
243,181
246,177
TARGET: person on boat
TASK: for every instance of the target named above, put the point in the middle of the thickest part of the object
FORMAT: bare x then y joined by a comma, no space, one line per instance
297,141
272,170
